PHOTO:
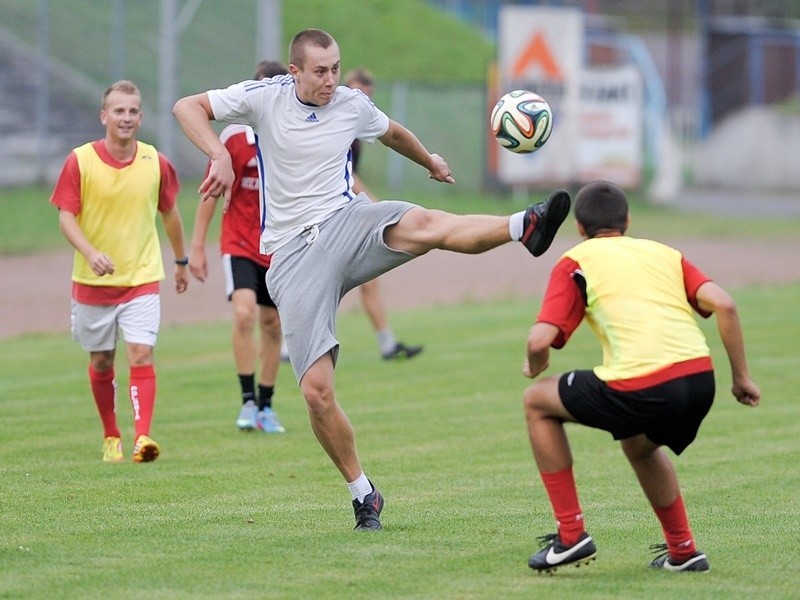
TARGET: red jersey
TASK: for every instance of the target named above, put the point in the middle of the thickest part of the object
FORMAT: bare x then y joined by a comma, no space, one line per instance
241,223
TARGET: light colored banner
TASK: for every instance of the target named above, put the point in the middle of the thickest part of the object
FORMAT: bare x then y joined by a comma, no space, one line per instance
541,50
610,127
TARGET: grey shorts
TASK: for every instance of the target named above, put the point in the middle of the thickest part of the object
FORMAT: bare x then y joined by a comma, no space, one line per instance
309,275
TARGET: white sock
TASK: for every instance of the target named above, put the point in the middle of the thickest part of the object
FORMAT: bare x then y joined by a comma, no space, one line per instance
360,487
515,225
386,340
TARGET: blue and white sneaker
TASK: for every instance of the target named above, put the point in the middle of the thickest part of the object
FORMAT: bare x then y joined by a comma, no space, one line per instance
267,421
247,416
555,554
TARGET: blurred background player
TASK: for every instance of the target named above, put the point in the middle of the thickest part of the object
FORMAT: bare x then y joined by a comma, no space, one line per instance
245,275
108,194
656,383
389,346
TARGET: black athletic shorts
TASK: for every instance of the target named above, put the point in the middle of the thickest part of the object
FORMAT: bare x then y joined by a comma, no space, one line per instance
668,414
243,273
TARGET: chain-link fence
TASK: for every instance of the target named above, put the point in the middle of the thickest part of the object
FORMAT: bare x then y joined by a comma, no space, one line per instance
450,120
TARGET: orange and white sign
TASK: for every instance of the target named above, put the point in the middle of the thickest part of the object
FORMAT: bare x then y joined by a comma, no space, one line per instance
541,50
597,114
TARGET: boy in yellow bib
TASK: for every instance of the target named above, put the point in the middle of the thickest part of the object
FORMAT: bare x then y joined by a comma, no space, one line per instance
108,195
656,383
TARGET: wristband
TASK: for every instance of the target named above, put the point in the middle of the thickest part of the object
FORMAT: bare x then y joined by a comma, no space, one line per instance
182,261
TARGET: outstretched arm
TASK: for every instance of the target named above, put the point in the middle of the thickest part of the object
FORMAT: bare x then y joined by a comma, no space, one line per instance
713,298
403,141
195,115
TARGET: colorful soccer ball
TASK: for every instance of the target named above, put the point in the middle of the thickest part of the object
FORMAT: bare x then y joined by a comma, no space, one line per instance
521,121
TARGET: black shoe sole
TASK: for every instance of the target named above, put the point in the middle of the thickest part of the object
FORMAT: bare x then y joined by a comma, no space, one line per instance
697,564
549,570
556,210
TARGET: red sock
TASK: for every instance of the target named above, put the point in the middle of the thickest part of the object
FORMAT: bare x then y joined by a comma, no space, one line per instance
677,533
143,397
563,494
104,390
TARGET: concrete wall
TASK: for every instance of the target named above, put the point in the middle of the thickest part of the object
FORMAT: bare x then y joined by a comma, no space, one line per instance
757,148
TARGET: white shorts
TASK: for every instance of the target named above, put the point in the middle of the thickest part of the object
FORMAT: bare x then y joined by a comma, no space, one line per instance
95,327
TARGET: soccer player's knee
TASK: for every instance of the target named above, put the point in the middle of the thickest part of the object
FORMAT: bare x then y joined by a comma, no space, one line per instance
530,399
541,400
270,320
140,354
102,361
428,223
244,317
319,404
318,394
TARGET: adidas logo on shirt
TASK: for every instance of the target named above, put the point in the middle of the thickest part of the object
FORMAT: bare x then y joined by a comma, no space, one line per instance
312,118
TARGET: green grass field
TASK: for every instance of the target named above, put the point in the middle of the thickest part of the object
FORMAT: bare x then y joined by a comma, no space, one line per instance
223,514
30,222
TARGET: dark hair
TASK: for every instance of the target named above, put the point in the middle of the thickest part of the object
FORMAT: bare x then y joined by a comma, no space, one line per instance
269,68
601,206
361,76
314,37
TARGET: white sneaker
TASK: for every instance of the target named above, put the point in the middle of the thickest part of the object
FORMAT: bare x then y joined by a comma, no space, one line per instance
247,416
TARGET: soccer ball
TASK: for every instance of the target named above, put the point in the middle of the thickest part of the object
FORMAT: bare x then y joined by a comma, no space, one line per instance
521,121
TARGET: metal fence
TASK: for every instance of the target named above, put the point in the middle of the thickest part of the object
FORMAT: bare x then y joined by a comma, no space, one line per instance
451,120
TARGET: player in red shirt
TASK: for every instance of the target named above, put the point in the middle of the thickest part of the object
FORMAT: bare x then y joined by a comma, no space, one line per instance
245,275
656,383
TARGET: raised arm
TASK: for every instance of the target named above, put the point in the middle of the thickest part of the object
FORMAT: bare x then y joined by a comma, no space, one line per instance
403,141
194,115
712,298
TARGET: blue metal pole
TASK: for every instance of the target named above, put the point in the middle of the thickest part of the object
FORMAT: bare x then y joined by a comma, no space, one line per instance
797,64
755,67
705,96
